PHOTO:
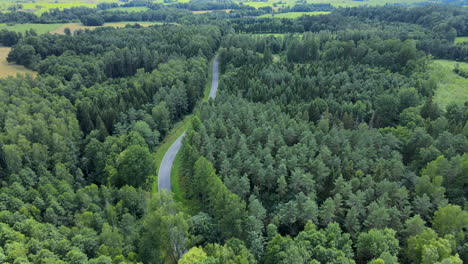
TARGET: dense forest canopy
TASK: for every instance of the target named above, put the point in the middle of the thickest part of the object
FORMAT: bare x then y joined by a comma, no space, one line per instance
324,145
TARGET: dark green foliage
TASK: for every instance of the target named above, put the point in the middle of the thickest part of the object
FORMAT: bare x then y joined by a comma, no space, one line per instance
92,20
134,166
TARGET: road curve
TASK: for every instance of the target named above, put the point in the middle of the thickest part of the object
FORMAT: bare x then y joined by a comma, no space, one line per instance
164,173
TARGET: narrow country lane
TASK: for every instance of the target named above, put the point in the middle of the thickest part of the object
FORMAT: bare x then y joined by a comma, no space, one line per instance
164,173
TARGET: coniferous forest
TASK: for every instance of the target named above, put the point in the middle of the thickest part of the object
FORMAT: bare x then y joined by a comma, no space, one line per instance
324,144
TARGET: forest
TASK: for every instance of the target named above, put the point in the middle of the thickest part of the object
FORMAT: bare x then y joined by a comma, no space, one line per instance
325,143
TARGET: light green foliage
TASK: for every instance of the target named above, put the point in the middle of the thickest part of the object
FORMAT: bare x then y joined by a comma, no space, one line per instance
372,244
385,258
165,231
461,39
427,248
233,252
414,226
195,255
329,245
451,220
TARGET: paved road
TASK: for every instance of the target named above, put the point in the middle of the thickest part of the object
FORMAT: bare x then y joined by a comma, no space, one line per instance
164,174
214,80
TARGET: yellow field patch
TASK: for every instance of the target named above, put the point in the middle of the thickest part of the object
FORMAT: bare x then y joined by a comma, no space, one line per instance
9,69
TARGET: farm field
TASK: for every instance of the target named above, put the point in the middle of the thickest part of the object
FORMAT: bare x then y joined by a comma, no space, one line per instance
40,6
452,87
8,69
336,3
294,14
129,9
461,39
39,28
59,28
209,11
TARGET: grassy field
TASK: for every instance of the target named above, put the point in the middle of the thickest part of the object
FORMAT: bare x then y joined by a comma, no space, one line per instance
77,26
209,11
294,14
336,3
7,69
59,28
259,4
452,87
129,9
39,28
461,39
40,6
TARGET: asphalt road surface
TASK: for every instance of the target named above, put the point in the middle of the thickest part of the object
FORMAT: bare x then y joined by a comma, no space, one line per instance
164,174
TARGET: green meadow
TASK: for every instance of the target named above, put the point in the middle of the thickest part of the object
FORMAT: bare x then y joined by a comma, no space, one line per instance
451,86
294,14
461,39
39,28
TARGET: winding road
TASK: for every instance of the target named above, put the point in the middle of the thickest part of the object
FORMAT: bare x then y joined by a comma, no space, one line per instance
164,173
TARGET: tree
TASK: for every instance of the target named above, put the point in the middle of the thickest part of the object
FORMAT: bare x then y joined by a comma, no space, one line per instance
385,258
92,20
23,55
151,137
134,167
408,97
283,250
372,244
387,109
233,252
451,220
195,255
414,226
165,231
430,110
427,248
161,116
328,245
327,212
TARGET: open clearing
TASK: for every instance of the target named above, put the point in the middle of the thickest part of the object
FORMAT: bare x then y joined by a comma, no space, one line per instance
39,28
275,4
8,69
461,39
452,87
209,11
295,14
40,6
59,28
77,26
129,9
